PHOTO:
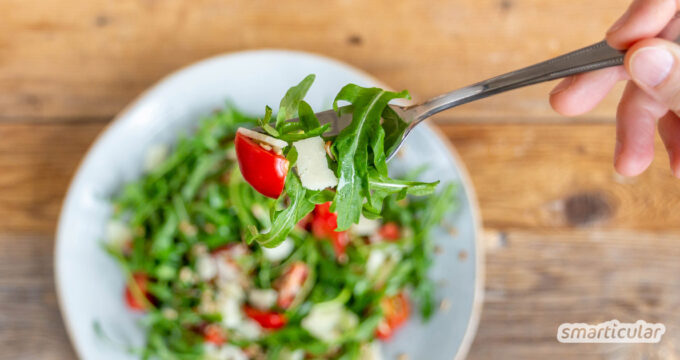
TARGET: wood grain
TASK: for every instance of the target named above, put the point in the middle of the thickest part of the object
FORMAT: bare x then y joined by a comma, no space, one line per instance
567,239
30,323
539,279
527,176
36,164
62,59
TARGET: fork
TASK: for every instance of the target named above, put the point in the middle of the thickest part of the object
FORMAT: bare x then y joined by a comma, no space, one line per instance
593,57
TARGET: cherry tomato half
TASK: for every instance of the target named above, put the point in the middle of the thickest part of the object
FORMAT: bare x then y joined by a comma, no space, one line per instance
291,283
263,169
213,333
132,301
324,223
267,319
396,310
390,231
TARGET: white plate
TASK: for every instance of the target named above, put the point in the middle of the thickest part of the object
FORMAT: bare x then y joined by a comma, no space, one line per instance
90,284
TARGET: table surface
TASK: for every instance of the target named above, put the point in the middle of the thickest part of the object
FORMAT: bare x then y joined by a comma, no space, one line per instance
567,239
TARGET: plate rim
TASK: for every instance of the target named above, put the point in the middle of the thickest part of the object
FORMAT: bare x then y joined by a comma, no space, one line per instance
480,268
467,185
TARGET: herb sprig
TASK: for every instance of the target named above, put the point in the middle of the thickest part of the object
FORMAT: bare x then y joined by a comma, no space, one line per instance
360,149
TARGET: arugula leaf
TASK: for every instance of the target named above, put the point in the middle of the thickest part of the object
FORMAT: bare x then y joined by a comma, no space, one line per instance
289,127
301,136
307,127
284,221
290,102
322,197
392,186
264,122
239,198
204,167
382,186
394,127
379,158
163,240
307,117
352,146
438,206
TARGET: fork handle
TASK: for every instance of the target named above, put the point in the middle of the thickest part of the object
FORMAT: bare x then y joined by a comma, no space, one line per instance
593,57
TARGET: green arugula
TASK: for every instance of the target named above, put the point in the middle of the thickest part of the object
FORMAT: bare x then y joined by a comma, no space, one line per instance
361,150
365,135
285,220
264,123
198,198
291,101
300,200
382,187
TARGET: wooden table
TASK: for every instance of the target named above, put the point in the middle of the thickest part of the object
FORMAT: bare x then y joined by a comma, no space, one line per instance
567,239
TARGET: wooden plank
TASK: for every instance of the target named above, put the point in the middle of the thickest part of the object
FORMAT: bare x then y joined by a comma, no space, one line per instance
90,58
537,280
30,323
561,176
37,162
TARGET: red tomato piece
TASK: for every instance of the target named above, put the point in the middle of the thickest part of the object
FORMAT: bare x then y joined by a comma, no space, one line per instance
396,310
383,331
213,333
263,169
390,231
291,283
324,224
340,240
267,319
133,301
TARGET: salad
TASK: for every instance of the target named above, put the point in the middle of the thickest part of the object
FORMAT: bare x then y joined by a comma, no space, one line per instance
284,245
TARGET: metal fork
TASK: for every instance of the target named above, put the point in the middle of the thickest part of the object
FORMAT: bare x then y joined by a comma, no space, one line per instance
594,57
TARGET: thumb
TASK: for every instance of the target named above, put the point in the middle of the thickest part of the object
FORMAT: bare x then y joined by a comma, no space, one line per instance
654,66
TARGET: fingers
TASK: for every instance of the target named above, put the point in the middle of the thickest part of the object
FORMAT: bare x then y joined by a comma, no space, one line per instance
654,66
669,129
635,127
672,30
643,19
579,94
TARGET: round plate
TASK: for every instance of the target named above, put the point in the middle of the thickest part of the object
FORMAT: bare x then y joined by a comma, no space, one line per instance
89,282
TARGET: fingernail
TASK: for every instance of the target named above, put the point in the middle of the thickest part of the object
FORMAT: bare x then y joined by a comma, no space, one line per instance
619,23
563,85
651,65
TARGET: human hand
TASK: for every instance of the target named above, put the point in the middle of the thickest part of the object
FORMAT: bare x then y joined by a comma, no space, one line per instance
652,68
